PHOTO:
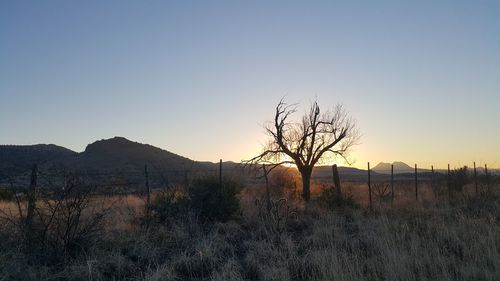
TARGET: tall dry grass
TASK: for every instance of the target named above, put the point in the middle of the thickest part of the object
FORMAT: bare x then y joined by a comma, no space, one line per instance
424,241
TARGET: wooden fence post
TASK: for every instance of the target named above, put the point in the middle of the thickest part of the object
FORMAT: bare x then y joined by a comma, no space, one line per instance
369,187
486,176
32,197
148,192
449,182
416,184
475,179
392,184
336,181
220,173
433,183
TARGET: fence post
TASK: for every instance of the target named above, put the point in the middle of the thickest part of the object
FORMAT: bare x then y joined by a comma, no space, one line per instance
32,196
148,192
433,183
392,184
486,176
220,173
336,181
449,183
268,195
369,187
475,179
416,184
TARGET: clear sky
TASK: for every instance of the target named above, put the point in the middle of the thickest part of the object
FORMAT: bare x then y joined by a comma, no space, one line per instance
200,78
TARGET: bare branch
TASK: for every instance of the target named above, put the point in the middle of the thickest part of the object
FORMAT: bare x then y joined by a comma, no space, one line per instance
308,141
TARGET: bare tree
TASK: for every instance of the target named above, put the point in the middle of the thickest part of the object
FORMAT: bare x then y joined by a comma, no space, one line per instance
67,219
317,137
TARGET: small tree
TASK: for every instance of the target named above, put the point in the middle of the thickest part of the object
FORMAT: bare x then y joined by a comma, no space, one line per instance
212,201
66,221
306,143
458,179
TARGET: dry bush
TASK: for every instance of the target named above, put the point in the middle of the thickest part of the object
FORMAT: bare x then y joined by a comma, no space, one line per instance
275,216
212,201
170,204
458,178
329,197
205,197
67,221
6,194
284,183
382,192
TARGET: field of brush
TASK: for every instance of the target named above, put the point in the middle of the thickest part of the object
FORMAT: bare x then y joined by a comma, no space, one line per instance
435,238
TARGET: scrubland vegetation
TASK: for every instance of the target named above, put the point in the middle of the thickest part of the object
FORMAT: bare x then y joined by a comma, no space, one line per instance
205,232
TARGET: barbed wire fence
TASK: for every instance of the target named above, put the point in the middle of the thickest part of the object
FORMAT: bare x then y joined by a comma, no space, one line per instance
382,188
27,186
436,185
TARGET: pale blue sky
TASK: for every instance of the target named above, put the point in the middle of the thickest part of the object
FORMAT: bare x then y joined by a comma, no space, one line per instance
199,78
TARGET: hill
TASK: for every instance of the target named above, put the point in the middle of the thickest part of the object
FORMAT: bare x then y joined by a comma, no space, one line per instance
104,161
324,173
123,155
15,158
115,155
399,167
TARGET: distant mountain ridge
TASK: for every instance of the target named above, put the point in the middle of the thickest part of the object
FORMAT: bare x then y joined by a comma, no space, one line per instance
117,154
326,171
121,154
21,157
398,167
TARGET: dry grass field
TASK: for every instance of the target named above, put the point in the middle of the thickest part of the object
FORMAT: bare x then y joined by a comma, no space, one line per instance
428,240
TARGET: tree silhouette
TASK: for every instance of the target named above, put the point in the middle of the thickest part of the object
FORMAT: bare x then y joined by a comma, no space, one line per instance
308,142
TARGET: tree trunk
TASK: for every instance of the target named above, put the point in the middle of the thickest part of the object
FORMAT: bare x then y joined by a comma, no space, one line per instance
306,184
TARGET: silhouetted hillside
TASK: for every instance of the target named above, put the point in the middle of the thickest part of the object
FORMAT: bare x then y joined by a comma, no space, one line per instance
106,160
117,154
22,157
326,171
121,154
399,168
345,173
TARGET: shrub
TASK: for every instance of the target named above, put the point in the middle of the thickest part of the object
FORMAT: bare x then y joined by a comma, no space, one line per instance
275,215
5,195
170,204
486,182
458,179
66,222
213,202
72,222
382,192
283,183
330,199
